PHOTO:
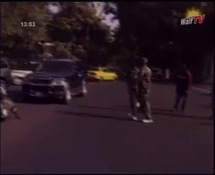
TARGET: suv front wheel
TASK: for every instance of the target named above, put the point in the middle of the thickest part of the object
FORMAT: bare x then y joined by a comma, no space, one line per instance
67,95
4,85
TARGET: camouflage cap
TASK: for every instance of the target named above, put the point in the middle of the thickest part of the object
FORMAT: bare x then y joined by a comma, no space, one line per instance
144,60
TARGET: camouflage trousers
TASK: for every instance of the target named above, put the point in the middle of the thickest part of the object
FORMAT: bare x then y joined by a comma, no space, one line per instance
143,99
9,105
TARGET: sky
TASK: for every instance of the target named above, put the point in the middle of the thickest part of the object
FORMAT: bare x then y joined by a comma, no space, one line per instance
99,6
107,18
53,8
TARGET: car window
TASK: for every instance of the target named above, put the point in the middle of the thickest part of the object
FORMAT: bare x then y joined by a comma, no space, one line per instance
3,64
111,70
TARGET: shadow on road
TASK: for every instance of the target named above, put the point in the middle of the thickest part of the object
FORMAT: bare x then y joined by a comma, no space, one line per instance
17,98
94,107
156,111
168,113
8,119
2,120
210,123
82,114
118,108
207,106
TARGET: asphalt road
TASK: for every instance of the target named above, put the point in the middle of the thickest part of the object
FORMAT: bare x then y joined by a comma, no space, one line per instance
94,135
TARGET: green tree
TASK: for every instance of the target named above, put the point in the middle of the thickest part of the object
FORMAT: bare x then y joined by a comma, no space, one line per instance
75,30
157,33
78,24
21,41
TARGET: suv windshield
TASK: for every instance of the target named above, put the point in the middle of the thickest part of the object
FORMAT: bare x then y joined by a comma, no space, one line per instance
56,66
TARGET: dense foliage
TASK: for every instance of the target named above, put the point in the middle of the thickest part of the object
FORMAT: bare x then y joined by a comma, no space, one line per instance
154,30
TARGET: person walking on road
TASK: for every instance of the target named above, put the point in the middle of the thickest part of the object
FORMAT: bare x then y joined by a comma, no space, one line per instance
183,83
144,88
139,85
131,80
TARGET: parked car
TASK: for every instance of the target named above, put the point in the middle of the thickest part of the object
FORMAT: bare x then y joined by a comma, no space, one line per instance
5,74
118,70
101,73
58,79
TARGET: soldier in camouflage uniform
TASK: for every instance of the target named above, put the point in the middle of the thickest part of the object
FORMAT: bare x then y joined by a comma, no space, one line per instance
139,86
144,87
8,107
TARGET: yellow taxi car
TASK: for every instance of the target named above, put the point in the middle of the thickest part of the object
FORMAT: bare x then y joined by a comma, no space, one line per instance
101,74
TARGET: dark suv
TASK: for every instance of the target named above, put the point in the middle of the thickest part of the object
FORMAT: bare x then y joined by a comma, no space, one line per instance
5,74
56,78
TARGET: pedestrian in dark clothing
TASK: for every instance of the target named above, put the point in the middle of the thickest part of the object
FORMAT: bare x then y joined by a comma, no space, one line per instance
183,82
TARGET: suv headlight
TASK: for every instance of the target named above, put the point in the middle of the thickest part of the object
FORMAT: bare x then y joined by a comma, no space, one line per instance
58,82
